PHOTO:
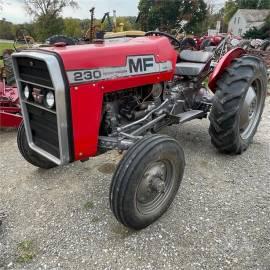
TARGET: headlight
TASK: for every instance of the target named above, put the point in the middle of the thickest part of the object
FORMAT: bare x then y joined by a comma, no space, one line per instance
26,92
49,100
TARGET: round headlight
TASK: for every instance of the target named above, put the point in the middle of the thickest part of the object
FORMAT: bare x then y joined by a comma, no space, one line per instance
50,101
26,92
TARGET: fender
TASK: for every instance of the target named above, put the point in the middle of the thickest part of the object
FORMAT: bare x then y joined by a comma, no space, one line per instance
224,62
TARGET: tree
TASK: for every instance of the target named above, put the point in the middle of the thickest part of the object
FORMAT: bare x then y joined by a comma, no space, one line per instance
253,4
163,15
39,8
6,30
48,25
47,16
195,12
72,27
229,10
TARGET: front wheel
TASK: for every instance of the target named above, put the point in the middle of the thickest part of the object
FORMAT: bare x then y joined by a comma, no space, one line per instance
238,105
146,181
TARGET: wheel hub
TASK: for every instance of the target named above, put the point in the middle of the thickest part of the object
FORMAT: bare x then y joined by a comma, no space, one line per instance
157,185
248,112
153,183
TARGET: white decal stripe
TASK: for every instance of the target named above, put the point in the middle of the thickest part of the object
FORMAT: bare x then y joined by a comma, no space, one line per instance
136,65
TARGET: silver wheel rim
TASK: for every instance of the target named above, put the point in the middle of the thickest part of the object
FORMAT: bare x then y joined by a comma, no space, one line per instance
154,187
251,110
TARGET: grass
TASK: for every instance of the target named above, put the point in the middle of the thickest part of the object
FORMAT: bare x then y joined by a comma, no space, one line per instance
4,46
88,205
26,251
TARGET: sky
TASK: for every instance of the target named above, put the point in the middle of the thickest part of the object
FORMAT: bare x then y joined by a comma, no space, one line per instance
14,11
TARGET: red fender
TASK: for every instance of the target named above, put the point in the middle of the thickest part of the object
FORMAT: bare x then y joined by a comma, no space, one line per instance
224,62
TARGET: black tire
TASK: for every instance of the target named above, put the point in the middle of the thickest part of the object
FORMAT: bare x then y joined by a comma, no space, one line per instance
60,38
206,43
266,46
30,155
128,180
188,44
245,75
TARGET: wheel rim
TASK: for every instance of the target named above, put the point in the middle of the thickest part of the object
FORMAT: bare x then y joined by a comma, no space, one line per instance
251,110
155,187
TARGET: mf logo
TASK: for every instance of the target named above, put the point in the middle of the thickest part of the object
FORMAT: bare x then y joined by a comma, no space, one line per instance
141,64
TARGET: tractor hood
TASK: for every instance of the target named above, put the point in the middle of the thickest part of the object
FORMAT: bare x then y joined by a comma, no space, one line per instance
114,55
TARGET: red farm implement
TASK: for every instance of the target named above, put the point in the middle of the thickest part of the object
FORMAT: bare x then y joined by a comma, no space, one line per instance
9,106
9,101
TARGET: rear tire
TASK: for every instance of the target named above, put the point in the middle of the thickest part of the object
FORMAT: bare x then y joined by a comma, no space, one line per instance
238,105
60,38
266,46
188,44
30,155
146,181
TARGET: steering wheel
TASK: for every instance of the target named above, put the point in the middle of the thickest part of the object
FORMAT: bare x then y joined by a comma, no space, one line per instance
176,43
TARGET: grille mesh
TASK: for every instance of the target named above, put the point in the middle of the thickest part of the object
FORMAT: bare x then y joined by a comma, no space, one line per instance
43,125
34,70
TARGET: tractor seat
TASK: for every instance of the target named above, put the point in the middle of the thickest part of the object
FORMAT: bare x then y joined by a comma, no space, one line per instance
192,63
195,56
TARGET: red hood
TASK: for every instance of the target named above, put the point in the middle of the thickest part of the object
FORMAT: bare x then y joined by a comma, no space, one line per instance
112,55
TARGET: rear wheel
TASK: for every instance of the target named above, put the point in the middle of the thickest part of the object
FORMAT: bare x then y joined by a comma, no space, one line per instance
188,44
146,181
30,155
266,46
238,105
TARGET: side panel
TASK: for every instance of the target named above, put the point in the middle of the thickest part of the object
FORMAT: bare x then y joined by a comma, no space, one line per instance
224,62
94,70
86,102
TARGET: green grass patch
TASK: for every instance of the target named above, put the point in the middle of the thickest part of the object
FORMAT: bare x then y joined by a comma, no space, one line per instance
26,251
88,205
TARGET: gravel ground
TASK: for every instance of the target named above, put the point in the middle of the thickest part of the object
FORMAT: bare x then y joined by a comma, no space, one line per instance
60,219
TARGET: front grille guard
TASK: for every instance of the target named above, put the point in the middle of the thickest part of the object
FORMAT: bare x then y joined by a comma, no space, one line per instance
61,106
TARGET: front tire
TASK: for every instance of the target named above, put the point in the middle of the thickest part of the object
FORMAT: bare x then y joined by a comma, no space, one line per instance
30,155
146,181
238,105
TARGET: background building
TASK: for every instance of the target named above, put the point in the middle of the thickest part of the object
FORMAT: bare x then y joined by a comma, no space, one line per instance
245,19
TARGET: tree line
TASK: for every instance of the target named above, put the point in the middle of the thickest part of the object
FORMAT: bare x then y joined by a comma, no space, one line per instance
43,28
162,14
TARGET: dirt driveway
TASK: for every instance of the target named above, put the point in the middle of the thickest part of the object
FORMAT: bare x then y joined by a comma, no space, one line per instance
60,219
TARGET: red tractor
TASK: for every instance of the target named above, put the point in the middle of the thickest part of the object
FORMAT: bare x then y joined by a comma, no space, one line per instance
80,101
